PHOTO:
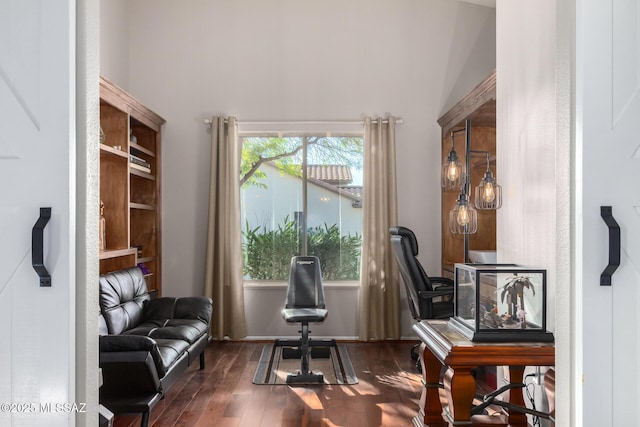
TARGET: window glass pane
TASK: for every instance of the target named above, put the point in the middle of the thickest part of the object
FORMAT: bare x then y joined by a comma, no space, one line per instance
273,209
334,205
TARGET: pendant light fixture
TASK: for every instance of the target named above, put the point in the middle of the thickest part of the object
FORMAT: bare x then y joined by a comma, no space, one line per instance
463,218
488,192
452,176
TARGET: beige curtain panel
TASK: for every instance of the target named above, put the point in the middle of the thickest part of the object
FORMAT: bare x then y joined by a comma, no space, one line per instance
379,288
223,274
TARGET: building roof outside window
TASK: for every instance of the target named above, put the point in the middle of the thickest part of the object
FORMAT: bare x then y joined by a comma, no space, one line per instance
331,174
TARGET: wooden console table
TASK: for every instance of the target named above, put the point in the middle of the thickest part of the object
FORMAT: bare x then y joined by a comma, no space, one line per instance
443,346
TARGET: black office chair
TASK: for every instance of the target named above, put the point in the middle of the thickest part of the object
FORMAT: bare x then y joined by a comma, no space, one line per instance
304,305
426,299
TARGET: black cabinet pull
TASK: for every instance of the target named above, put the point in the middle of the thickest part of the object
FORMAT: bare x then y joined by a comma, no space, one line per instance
606,213
37,247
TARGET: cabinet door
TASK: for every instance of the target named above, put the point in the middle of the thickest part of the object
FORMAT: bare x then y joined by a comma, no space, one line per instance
608,70
37,158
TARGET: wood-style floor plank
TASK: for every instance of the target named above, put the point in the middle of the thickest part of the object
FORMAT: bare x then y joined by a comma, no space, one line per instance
223,393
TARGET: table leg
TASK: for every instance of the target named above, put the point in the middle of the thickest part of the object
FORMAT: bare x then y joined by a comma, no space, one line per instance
430,410
461,389
550,389
516,419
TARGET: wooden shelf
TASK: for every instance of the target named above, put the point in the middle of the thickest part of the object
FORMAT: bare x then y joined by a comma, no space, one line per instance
142,206
109,149
140,148
112,260
116,253
141,174
132,208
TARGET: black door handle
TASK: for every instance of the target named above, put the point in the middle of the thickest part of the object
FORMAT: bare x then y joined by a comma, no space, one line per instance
37,247
606,213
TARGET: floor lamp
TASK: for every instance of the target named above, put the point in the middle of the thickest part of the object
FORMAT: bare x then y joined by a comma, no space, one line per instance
463,218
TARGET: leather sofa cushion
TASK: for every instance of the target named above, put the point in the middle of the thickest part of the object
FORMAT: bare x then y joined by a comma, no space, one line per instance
122,296
193,308
170,351
123,317
159,308
145,329
183,329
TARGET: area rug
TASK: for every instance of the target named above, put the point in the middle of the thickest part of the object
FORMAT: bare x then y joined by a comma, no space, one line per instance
273,368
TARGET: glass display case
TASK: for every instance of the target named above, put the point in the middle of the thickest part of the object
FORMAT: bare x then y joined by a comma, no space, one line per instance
501,303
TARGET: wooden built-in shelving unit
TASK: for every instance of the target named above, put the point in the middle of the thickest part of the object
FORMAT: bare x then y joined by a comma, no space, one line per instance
131,197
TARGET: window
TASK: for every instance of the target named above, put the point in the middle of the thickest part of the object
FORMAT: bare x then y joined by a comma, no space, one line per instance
301,195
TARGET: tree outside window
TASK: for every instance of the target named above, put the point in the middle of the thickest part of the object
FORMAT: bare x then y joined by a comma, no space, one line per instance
301,195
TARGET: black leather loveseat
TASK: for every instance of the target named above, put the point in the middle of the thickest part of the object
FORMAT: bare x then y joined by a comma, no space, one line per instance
145,343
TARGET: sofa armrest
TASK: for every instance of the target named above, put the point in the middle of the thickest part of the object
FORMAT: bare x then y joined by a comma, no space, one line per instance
444,281
199,308
128,373
129,345
112,343
427,295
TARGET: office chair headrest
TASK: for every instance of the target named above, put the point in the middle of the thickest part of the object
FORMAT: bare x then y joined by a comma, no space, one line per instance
404,232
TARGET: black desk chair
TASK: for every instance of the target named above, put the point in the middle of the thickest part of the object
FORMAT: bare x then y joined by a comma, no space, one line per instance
304,305
428,297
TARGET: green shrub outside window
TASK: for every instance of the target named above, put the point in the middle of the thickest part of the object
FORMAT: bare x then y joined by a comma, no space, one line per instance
267,253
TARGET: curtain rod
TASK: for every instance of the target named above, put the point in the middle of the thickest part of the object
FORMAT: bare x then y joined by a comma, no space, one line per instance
398,121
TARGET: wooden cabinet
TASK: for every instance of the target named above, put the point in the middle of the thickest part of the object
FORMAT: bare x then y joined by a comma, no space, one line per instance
479,107
130,179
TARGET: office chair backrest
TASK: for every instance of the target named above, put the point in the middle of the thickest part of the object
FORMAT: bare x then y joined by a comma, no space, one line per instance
405,249
305,283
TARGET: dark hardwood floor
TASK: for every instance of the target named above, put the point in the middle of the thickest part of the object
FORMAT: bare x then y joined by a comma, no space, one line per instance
222,394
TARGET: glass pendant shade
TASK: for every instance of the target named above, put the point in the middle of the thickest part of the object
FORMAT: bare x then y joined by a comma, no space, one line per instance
488,193
452,174
463,218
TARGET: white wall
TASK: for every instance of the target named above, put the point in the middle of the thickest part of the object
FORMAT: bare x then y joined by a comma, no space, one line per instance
114,41
526,142
293,60
533,148
263,323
